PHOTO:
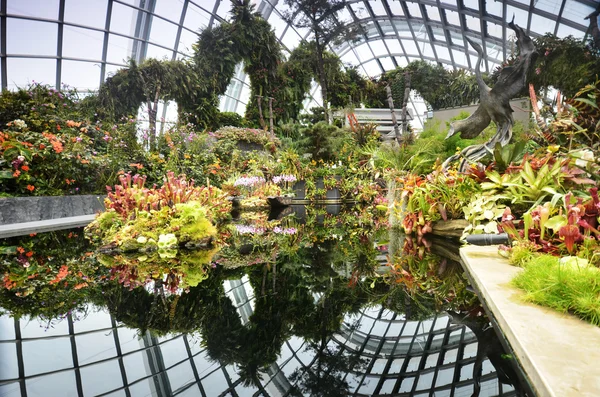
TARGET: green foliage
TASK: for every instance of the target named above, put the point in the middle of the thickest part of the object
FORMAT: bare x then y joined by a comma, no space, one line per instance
50,149
564,63
230,119
437,86
323,141
569,284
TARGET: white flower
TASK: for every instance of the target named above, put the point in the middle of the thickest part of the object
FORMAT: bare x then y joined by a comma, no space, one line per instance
19,123
142,240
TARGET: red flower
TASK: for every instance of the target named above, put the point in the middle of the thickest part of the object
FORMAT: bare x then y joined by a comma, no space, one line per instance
25,168
31,188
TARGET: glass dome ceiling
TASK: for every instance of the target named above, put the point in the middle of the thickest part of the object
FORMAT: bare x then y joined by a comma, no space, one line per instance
81,42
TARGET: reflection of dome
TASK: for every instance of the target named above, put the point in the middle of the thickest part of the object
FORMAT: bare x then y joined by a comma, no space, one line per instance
97,357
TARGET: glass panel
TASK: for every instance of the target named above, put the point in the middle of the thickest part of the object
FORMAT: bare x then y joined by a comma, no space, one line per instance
494,8
123,19
520,16
101,378
433,13
158,52
494,30
575,11
163,33
290,39
372,68
394,46
442,53
396,8
170,9
414,10
181,375
136,366
378,48
82,43
59,384
350,58
173,352
364,53
564,31
86,12
473,23
195,18
452,18
377,7
31,37
47,355
278,24
119,49
95,347
187,40
8,365
387,63
542,25
410,47
33,8
7,328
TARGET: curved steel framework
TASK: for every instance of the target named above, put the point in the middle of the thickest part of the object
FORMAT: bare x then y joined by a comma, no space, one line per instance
97,356
80,42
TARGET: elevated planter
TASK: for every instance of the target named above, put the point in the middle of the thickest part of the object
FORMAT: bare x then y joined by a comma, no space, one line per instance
245,146
32,209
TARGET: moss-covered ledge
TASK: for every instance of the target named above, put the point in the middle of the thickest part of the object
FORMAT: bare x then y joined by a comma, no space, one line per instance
32,209
558,352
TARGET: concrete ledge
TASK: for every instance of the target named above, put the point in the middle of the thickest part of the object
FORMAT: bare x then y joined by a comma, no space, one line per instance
31,209
25,228
558,352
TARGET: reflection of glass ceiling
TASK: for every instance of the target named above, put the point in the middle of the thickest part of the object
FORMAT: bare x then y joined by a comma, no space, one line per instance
96,355
80,42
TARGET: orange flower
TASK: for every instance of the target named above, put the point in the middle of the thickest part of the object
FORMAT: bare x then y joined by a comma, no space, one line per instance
62,273
31,188
25,168
137,165
20,250
32,234
71,124
85,161
29,254
80,286
57,127
16,173
42,146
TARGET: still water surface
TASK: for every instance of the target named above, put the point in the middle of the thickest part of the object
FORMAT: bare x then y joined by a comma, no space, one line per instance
306,305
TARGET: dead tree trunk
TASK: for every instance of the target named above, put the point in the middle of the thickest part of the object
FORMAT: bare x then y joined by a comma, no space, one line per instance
405,105
271,114
260,113
393,112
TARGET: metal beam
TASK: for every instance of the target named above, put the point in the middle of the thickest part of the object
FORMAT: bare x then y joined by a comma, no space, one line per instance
59,43
105,44
4,78
559,16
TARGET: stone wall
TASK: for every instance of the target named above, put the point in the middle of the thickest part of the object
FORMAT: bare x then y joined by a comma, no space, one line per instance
30,209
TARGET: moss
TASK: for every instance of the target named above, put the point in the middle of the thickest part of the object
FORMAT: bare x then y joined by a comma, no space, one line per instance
190,222
562,286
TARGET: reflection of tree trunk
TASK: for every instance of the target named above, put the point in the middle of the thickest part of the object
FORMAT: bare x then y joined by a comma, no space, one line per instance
393,112
264,281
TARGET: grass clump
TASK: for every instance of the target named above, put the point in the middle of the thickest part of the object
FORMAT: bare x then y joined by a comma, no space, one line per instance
566,284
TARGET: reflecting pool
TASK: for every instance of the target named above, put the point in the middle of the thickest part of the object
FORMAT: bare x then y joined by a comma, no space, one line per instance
310,302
